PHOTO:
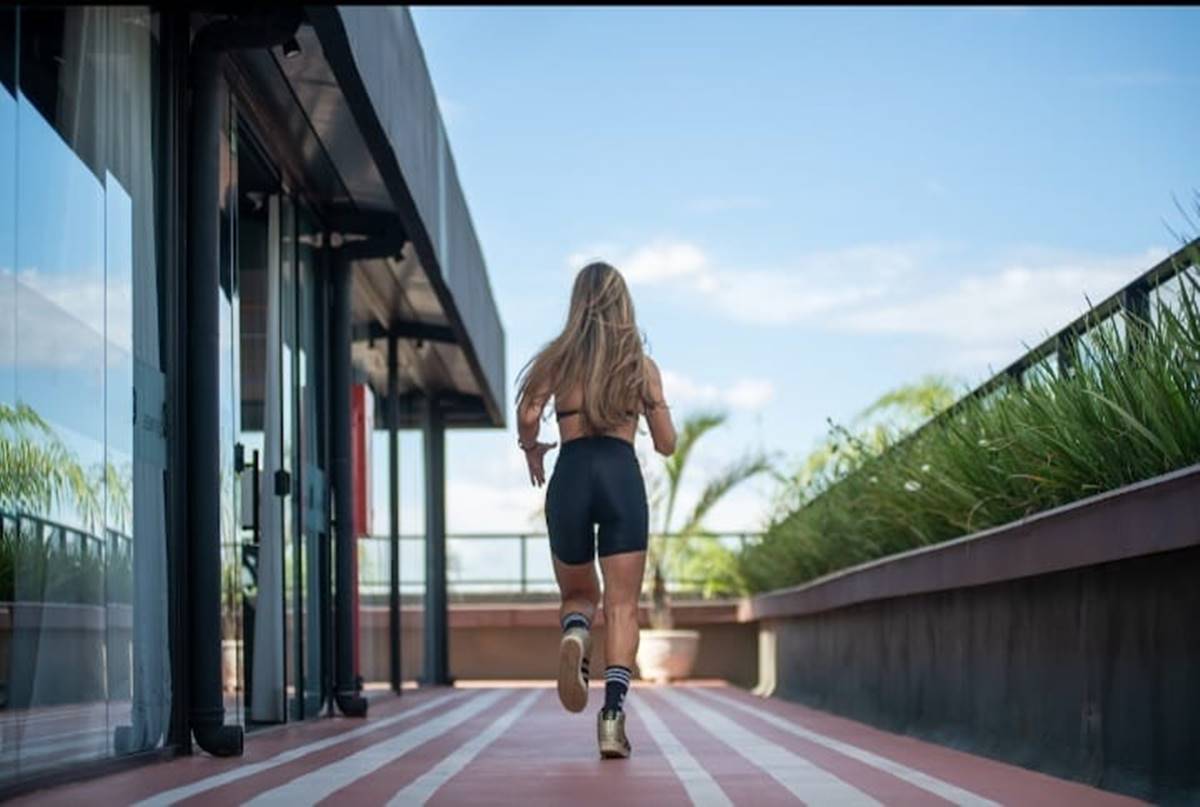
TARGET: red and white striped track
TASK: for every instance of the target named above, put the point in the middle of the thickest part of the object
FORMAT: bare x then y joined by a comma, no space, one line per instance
516,746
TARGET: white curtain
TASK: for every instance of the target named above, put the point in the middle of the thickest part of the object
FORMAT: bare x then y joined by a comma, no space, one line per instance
131,149
108,108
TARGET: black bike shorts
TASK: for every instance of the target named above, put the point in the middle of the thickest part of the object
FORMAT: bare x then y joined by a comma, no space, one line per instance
596,482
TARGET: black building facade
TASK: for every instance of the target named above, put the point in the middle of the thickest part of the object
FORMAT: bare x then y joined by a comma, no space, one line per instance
212,227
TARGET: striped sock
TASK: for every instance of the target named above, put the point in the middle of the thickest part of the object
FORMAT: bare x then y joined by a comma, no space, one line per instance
575,620
616,686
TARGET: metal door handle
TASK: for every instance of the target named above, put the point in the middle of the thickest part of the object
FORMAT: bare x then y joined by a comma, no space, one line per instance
283,483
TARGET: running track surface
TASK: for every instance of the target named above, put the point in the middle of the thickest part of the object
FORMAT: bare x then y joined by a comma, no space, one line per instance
703,745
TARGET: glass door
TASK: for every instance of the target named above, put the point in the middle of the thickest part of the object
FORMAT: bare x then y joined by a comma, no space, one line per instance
279,338
263,433
312,507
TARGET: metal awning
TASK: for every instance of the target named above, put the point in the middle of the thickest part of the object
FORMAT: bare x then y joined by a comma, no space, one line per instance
364,119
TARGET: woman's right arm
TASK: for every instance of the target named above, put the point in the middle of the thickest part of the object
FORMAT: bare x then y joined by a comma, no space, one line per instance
658,414
529,416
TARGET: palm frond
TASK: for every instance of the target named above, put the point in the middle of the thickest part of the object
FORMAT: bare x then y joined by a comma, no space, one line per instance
718,487
692,429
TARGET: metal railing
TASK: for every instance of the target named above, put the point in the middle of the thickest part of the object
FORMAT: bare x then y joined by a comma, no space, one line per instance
517,564
1059,353
107,560
1127,310
62,537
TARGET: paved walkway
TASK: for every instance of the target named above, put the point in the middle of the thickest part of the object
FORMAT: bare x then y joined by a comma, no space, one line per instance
704,745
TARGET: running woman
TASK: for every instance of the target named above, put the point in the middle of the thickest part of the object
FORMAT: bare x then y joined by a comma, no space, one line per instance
601,380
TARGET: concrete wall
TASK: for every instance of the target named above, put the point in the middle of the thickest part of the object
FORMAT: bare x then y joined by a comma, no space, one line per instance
1089,673
506,642
56,653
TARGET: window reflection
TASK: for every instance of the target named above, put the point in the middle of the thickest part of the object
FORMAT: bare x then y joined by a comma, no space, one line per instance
82,448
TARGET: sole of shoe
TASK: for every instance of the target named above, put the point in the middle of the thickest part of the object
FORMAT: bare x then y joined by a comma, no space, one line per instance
614,752
572,689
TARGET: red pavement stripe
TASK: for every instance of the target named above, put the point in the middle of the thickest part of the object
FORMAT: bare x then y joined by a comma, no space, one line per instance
998,781
808,781
879,784
742,782
420,791
143,782
328,779
247,777
378,786
549,758
291,765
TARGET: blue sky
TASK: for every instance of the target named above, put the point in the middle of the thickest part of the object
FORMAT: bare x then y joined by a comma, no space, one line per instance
811,205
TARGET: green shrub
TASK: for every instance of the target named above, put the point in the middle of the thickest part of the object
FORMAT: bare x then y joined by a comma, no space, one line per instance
1129,411
34,569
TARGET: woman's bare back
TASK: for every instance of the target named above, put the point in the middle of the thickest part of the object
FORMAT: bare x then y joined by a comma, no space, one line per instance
568,406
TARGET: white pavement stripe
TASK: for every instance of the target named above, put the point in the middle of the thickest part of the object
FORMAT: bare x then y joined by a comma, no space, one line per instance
242,771
700,786
810,783
952,793
327,780
423,788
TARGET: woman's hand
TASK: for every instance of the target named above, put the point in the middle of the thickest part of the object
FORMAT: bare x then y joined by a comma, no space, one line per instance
534,457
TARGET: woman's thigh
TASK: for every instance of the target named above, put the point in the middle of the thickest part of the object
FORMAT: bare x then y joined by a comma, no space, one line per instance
623,576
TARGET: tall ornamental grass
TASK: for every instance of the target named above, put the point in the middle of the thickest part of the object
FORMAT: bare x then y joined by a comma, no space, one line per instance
1128,410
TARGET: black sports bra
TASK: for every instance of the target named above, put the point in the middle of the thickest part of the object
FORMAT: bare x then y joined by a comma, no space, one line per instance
566,413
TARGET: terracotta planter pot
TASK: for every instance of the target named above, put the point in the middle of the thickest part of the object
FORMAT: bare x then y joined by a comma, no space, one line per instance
667,655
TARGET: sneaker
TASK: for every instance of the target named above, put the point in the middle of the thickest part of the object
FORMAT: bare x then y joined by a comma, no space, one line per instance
573,652
610,732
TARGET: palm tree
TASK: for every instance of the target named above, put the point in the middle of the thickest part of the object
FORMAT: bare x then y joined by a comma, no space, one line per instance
872,431
36,469
38,473
670,550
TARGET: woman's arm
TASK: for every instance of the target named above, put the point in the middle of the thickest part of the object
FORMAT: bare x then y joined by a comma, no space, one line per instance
658,414
529,418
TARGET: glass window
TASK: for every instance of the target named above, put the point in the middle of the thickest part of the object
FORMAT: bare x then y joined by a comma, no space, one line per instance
83,561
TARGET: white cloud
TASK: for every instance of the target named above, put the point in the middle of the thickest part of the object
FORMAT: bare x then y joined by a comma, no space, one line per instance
777,298
750,393
667,261
62,318
990,315
813,283
986,312
746,394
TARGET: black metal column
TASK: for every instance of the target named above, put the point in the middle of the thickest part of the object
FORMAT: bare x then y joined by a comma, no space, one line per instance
1135,302
437,657
207,709
349,702
394,513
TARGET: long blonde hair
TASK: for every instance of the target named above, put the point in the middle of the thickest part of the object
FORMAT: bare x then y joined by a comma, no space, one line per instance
599,351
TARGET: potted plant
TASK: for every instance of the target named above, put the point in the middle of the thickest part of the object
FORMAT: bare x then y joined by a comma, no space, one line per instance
665,653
